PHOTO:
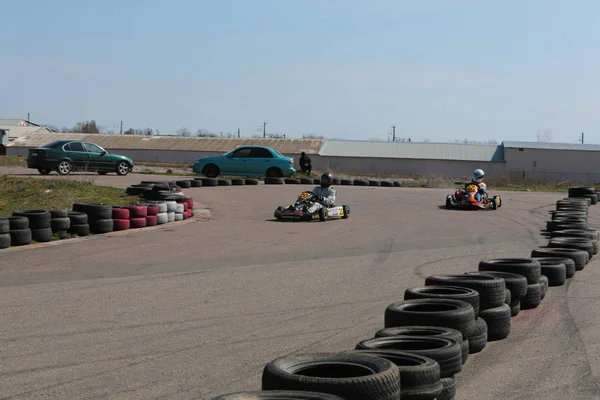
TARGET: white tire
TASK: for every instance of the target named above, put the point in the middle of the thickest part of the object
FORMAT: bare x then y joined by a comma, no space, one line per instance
171,216
162,218
171,205
179,208
178,217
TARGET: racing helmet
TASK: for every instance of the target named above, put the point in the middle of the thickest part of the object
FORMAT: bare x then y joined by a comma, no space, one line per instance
478,175
326,180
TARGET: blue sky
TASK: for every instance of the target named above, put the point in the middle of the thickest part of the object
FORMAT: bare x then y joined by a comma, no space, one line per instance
439,70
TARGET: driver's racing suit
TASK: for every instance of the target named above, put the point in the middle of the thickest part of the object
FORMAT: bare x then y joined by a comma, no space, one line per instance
328,195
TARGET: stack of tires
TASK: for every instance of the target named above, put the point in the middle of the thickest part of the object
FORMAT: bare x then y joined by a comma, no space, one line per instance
182,208
4,233
151,215
78,223
60,222
99,216
20,233
161,207
171,209
585,193
39,224
137,215
120,217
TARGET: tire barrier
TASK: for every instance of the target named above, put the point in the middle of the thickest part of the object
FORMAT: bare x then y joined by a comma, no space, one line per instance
429,335
165,203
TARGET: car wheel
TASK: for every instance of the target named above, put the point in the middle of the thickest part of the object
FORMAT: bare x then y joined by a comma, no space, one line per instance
211,171
102,173
64,167
122,168
44,171
274,172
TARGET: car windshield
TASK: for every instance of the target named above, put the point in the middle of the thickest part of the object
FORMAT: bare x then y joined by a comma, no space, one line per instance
53,145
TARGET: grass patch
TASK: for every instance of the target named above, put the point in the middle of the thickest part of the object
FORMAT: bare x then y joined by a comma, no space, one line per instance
13,161
55,194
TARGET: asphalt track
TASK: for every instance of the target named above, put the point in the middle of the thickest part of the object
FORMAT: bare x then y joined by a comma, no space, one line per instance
195,310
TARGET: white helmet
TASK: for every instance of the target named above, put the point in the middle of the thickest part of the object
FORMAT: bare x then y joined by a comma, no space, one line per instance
478,175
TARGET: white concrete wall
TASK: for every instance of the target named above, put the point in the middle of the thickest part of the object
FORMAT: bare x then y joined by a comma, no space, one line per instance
553,165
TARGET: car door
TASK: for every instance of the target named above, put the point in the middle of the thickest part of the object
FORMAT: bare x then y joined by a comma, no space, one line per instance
77,154
97,158
263,160
239,162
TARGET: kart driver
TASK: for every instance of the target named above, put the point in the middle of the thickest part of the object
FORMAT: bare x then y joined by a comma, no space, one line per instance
325,194
477,179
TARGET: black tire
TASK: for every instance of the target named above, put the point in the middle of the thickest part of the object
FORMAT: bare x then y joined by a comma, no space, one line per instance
274,172
579,257
224,182
507,296
361,182
17,223
122,168
347,182
195,183
533,297
78,217
583,233
430,331
210,182
471,296
561,224
5,240
419,375
573,243
580,190
307,181
292,181
38,219
346,212
41,235
515,308
449,391
95,211
567,214
59,214
449,313
397,184
316,181
277,395
447,352
528,267
4,225
555,269
544,285
20,237
238,182
515,283
478,340
184,184
350,376
374,182
498,322
490,288
387,184
251,181
211,171
60,224
100,226
79,229
273,181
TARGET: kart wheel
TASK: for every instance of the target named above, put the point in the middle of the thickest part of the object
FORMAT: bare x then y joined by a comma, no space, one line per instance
448,203
278,212
499,201
346,211
322,214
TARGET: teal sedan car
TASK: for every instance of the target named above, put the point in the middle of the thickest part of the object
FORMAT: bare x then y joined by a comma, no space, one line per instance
246,161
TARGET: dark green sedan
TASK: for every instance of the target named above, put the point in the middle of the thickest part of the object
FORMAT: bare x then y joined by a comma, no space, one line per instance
66,156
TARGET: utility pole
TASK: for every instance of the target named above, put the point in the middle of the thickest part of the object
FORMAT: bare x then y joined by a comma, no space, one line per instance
28,117
238,132
265,129
393,133
581,137
121,131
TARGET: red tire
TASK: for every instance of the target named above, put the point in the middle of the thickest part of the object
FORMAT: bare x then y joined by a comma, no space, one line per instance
120,213
178,189
190,204
151,220
185,215
121,224
138,222
137,211
152,210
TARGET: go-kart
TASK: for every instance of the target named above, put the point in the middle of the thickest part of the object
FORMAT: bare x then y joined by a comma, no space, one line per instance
299,210
465,199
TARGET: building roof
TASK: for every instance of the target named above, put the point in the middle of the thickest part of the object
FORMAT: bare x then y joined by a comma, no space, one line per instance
18,131
131,142
16,122
551,146
431,151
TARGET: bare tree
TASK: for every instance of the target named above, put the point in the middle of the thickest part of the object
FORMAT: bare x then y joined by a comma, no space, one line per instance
205,133
183,132
312,136
544,135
